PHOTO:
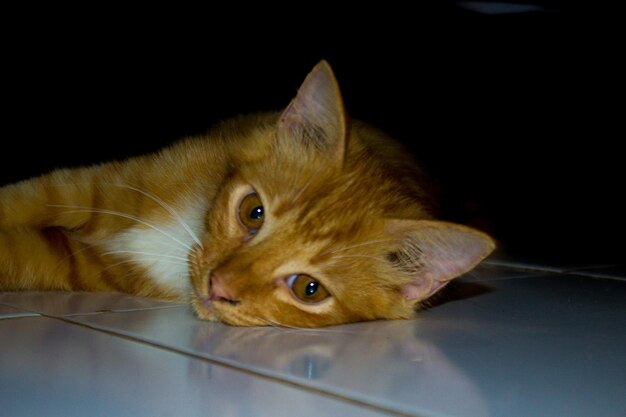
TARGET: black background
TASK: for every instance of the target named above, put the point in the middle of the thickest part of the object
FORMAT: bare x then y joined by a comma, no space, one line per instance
517,116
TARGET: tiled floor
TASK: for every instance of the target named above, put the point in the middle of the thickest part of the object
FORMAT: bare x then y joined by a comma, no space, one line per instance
510,339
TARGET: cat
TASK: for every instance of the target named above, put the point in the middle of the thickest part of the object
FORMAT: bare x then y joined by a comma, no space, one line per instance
302,218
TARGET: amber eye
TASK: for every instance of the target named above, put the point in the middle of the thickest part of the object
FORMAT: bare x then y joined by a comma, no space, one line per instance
307,288
251,213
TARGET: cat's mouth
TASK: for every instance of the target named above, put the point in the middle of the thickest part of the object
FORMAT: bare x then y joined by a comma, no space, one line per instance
205,303
204,308
216,295
200,273
210,302
224,311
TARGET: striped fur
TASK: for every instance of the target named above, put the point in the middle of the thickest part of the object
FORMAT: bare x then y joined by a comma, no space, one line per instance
343,203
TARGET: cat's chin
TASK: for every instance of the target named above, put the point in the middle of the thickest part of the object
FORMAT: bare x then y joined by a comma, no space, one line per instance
204,310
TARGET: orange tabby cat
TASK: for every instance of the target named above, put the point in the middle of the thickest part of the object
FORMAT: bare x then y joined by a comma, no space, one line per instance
302,218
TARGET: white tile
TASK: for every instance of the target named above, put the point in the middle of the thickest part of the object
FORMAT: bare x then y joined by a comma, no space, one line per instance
58,303
550,345
52,368
8,312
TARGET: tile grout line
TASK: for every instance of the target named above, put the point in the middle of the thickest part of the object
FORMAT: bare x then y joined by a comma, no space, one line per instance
86,313
119,310
19,313
245,370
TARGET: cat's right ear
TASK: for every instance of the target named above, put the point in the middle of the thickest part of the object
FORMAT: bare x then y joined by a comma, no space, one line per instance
316,117
433,253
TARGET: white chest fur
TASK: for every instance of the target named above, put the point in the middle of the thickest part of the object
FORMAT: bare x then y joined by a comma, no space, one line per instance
162,247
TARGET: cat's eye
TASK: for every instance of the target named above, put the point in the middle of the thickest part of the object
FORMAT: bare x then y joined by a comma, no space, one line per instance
307,288
251,213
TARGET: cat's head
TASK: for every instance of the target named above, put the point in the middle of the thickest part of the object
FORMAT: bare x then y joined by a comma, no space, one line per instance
322,221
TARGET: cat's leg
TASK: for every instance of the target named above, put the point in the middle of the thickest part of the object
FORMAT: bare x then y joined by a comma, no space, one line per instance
60,231
48,223
47,259
97,201
45,201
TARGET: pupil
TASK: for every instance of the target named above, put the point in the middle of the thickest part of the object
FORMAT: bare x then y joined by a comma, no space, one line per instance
257,213
311,288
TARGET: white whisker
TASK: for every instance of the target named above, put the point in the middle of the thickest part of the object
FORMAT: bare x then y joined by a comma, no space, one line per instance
74,253
171,245
166,207
79,209
277,325
306,330
137,265
478,278
131,269
158,255
311,178
127,261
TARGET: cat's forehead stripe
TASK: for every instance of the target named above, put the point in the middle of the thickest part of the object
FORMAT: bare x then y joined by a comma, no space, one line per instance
282,208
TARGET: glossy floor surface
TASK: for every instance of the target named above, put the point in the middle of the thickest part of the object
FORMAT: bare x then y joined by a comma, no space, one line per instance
509,339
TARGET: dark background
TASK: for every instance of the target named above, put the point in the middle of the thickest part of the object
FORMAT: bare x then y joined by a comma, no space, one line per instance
516,115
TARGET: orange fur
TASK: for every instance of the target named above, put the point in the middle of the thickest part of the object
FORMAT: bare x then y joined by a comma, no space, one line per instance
342,201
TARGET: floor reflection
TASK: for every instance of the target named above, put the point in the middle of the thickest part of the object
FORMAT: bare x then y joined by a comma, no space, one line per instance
384,359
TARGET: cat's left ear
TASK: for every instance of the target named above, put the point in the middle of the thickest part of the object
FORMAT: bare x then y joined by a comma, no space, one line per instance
435,252
316,117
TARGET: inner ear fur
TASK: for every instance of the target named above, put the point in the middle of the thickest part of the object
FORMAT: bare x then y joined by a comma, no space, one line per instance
316,117
434,252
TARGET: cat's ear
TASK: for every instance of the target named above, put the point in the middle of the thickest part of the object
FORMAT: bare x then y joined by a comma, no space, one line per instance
316,117
435,252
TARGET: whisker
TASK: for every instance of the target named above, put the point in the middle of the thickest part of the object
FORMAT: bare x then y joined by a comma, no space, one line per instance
480,276
134,261
79,209
311,178
308,330
158,255
71,254
488,280
175,248
127,261
271,323
166,207
131,270
284,326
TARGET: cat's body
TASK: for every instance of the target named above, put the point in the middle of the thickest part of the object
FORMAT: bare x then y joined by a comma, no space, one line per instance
299,218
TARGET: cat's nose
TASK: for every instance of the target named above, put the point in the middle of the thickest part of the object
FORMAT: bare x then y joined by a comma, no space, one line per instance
219,291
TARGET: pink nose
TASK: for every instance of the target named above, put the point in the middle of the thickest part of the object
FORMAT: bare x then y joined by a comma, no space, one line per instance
219,291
